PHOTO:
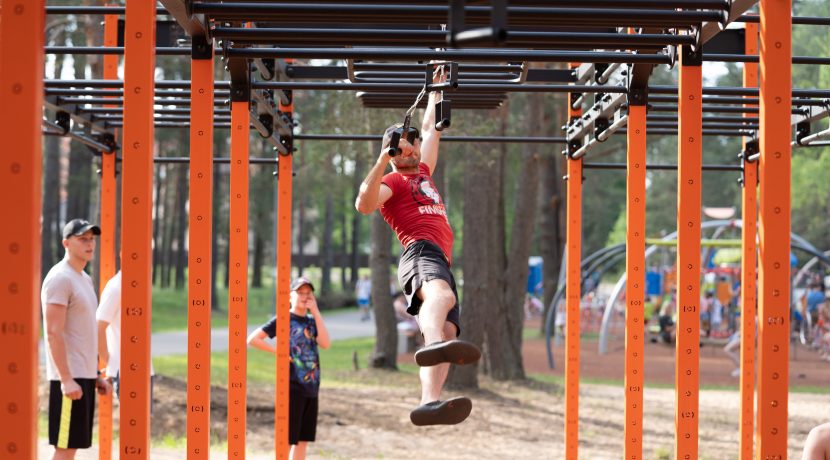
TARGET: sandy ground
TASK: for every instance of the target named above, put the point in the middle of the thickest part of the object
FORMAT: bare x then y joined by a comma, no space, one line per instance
369,417
368,420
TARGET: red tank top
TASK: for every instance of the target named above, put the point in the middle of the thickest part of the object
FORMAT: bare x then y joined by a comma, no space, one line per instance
416,211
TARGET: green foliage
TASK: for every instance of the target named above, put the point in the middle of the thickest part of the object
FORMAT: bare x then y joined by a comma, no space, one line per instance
262,366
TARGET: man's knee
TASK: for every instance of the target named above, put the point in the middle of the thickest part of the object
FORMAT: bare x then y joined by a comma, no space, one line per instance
438,291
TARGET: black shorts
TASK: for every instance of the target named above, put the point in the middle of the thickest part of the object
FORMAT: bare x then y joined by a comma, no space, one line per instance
70,422
302,417
421,262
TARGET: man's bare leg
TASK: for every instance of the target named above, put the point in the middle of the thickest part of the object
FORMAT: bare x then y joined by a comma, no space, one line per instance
434,377
438,299
64,454
298,451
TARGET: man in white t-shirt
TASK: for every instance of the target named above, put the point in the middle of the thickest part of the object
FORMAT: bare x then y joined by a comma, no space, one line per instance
68,301
109,332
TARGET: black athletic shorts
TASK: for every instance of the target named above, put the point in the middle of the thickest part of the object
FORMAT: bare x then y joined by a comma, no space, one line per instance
302,417
424,261
70,422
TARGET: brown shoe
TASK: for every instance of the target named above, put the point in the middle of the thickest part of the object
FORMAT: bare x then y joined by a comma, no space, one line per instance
451,351
449,412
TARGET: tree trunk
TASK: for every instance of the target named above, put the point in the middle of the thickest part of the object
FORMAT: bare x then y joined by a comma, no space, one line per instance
328,228
214,245
476,255
495,336
301,237
342,261
157,223
356,221
386,338
50,237
551,220
181,227
259,254
169,224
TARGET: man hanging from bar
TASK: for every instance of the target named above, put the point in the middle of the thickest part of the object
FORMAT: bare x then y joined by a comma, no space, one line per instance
411,205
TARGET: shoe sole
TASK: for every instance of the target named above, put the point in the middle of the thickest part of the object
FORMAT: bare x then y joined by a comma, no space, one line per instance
453,352
450,412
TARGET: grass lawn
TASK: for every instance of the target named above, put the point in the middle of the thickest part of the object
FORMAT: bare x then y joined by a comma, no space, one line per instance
335,363
170,308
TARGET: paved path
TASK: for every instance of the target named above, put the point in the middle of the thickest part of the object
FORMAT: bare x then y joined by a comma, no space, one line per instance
341,325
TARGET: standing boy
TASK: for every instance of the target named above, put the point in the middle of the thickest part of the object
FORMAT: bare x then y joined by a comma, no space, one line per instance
307,332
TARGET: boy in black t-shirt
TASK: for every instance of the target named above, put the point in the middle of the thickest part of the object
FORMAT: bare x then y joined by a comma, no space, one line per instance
307,332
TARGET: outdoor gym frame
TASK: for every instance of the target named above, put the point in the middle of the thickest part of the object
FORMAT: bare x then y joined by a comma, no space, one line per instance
487,75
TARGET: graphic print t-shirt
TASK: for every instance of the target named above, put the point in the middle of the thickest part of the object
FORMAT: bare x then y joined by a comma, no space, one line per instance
416,211
305,360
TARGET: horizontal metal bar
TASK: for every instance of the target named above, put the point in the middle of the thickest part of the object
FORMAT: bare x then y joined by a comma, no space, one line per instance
718,119
811,60
802,20
55,130
447,55
438,38
222,86
673,132
397,14
222,160
738,91
77,10
120,101
659,167
495,139
117,50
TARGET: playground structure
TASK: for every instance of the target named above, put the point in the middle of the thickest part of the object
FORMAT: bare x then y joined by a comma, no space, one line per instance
612,47
607,259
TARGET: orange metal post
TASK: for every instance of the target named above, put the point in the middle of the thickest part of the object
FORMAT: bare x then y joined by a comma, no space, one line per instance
573,253
136,228
200,234
284,210
107,240
689,137
635,268
774,216
21,90
749,206
238,273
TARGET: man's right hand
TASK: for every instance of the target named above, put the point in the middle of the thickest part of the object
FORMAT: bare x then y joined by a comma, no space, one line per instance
71,389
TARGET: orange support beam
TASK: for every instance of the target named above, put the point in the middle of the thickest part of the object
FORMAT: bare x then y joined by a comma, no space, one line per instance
635,269
573,273
136,228
687,351
199,257
238,278
749,207
284,210
774,216
21,90
107,240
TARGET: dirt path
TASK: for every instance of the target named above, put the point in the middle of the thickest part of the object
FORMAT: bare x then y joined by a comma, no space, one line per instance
369,420
369,417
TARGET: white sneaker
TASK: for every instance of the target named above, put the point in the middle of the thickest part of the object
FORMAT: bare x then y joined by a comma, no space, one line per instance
736,373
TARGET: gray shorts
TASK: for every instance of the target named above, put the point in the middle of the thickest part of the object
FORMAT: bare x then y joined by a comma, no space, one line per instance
421,262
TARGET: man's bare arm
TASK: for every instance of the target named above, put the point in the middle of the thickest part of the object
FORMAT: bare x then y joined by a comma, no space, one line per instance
257,340
55,324
372,192
431,136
